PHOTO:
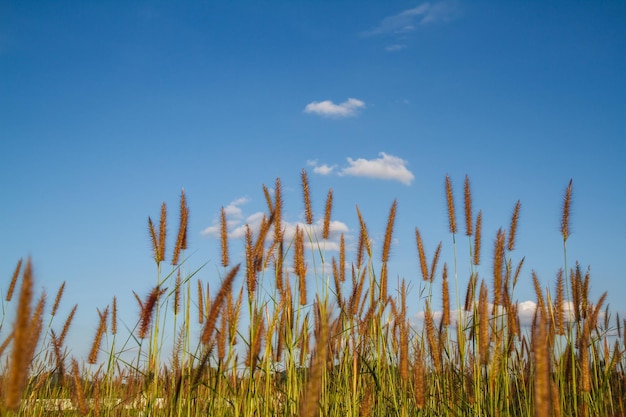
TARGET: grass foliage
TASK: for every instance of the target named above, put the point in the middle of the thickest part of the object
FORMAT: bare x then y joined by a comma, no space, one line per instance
270,347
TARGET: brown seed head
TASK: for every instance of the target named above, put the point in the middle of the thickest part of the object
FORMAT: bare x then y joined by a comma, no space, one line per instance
21,330
162,231
95,346
148,308
14,280
181,239
513,229
477,236
468,207
57,299
445,318
300,265
450,201
278,224
224,237
433,266
567,201
327,211
421,255
498,265
308,213
216,305
389,231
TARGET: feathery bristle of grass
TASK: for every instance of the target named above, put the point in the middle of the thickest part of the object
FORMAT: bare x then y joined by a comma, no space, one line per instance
541,355
432,338
389,232
567,201
433,265
470,293
78,388
445,318
541,304
6,343
181,238
156,250
148,310
200,302
559,304
300,265
308,213
221,337
342,258
58,356
224,237
216,305
364,240
468,207
95,346
421,255
309,403
114,316
255,347
162,230
67,324
327,212
483,323
418,379
278,211
513,226
36,325
57,299
498,266
18,366
477,237
16,273
268,199
450,201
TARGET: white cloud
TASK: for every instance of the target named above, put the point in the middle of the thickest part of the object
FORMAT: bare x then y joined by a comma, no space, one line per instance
234,214
395,47
324,169
327,108
386,167
237,226
407,20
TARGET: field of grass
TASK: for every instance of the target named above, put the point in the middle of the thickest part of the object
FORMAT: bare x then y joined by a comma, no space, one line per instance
349,349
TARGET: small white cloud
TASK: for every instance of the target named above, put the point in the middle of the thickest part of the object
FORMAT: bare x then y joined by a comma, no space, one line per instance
327,108
394,48
234,209
234,213
407,20
324,169
386,167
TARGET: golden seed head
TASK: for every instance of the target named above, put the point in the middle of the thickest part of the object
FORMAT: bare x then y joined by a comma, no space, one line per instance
477,236
14,280
567,200
468,207
513,229
224,237
308,213
421,255
450,201
327,212
389,231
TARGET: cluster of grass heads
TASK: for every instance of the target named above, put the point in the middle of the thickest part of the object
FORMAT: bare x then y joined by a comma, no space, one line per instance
350,349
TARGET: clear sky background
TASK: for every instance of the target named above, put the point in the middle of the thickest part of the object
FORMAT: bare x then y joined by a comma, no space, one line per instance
108,109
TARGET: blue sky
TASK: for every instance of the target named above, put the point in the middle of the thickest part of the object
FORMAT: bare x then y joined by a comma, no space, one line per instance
108,109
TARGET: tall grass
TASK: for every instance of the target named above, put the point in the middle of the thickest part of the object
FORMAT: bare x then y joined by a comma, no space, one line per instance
269,347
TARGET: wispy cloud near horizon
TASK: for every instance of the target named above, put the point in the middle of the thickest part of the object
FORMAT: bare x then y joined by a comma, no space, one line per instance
386,167
327,108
